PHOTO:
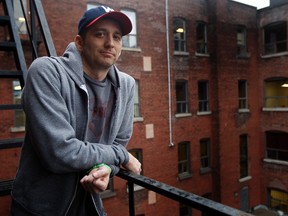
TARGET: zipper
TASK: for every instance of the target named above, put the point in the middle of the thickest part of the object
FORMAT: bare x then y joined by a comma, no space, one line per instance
83,87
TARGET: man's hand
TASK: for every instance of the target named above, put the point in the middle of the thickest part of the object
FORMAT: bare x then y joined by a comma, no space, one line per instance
133,165
97,180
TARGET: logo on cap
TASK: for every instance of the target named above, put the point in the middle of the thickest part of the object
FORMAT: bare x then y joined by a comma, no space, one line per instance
107,9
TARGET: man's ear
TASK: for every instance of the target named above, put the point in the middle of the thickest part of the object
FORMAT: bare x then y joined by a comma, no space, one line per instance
78,42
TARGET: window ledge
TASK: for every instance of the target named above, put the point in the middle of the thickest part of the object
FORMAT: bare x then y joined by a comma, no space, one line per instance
183,176
183,115
138,119
200,113
136,49
202,54
245,179
205,170
243,110
181,53
274,55
268,160
279,109
244,56
18,129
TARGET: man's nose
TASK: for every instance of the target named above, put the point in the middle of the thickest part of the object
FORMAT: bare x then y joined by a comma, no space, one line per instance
109,40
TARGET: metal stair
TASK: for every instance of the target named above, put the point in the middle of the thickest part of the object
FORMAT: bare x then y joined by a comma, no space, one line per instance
11,50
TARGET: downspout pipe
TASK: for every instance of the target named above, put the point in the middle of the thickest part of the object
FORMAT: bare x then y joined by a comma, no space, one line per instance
171,144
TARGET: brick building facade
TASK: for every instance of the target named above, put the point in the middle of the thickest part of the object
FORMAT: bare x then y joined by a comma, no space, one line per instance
210,116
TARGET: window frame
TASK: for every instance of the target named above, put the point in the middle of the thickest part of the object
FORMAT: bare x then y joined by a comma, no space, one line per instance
19,115
282,203
137,100
182,103
241,40
275,140
179,38
275,94
184,168
19,16
275,38
130,40
242,95
201,38
203,99
205,158
243,156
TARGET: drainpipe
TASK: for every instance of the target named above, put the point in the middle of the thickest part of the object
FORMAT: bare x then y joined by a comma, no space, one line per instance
169,74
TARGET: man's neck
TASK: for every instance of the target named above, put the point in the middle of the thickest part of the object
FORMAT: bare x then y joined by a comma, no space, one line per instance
99,75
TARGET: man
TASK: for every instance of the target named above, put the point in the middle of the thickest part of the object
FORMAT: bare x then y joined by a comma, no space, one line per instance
79,118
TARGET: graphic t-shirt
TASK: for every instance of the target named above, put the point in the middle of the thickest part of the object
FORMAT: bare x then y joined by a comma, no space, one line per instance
101,104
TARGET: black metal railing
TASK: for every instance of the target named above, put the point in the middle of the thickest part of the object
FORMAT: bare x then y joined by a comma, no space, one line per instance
205,205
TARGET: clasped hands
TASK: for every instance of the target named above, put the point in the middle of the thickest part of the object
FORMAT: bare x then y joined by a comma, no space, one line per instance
98,179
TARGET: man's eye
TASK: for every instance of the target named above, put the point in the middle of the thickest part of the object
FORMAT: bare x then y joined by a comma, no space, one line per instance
117,37
99,34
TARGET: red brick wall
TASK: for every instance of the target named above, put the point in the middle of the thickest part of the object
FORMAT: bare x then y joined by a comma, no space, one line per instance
221,68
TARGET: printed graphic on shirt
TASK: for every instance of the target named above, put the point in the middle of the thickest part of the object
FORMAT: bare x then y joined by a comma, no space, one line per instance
100,119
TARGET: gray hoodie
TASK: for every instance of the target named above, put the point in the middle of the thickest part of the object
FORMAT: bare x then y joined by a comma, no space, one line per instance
54,153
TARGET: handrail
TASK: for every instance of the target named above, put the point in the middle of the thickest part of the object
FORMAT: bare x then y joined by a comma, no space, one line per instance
37,11
187,198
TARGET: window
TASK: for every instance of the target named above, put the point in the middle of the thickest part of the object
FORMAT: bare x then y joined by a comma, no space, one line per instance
92,5
242,94
184,158
201,38
241,41
179,32
184,210
278,200
243,147
130,40
276,93
181,96
203,95
205,154
136,100
276,145
19,116
19,15
137,153
275,38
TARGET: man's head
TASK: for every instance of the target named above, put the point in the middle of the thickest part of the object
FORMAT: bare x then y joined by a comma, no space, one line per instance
99,39
94,15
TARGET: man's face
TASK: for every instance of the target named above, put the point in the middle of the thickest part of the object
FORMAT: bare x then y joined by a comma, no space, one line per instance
101,46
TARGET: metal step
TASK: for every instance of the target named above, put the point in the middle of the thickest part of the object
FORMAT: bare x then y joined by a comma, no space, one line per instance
7,46
10,74
4,20
10,107
11,143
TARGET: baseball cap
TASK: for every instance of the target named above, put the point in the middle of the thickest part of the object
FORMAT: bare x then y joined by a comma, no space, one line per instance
92,15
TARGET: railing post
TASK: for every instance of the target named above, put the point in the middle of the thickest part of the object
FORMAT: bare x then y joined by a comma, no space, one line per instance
131,198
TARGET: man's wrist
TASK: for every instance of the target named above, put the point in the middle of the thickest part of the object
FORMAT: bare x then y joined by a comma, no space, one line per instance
96,166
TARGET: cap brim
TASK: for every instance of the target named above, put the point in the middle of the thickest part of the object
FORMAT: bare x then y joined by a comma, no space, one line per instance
121,18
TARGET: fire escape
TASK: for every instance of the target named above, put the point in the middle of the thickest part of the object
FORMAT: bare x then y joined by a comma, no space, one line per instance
13,66
12,46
